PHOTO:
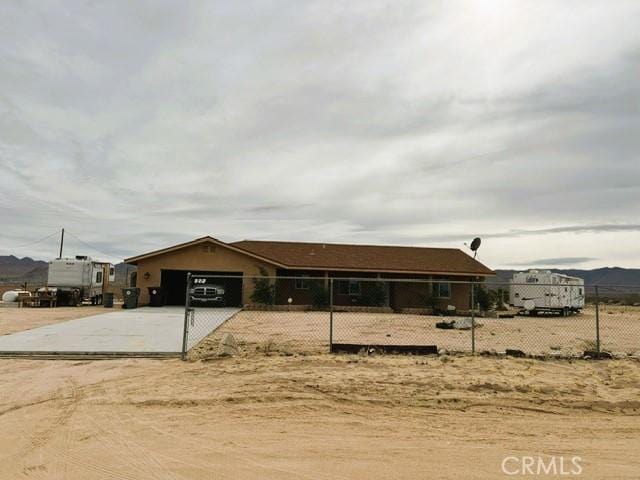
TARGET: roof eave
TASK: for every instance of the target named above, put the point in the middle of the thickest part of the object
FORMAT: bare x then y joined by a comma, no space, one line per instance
377,270
138,258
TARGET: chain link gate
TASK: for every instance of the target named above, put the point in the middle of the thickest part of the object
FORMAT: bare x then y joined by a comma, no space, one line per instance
205,307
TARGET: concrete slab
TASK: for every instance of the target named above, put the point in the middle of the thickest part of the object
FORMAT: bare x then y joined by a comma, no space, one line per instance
142,330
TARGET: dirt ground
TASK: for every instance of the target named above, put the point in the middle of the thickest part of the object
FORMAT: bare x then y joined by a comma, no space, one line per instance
18,319
552,335
314,417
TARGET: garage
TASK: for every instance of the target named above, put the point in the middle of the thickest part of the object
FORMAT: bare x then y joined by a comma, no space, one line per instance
174,285
226,264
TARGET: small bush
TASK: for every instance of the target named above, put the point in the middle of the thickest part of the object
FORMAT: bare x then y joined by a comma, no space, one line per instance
263,290
483,298
267,347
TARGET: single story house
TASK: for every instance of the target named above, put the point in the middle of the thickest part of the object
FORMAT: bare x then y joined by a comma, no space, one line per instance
317,262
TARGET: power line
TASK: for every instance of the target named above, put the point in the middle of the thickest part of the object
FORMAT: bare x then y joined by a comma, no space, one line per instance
91,246
32,243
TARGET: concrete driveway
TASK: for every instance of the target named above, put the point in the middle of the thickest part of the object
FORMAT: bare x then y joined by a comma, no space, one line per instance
147,330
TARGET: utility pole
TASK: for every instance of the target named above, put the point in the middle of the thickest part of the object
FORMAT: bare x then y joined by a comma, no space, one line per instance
61,243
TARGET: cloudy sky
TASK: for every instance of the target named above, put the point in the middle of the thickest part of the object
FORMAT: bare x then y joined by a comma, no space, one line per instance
139,124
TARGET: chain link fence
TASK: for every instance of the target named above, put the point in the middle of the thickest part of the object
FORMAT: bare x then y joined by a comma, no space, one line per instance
305,315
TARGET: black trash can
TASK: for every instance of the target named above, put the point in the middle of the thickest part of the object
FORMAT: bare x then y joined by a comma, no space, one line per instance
107,300
155,297
130,296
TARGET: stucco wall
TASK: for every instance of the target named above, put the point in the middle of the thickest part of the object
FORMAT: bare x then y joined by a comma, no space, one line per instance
206,256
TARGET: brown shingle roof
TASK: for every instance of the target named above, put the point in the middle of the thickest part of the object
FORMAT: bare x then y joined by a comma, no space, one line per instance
366,257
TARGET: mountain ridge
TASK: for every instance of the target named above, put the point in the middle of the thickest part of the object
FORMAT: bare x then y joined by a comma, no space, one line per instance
596,276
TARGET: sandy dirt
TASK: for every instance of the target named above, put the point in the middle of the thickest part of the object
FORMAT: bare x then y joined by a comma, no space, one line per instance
18,319
553,335
314,417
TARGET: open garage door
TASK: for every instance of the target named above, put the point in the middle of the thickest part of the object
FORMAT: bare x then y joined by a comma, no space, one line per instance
174,285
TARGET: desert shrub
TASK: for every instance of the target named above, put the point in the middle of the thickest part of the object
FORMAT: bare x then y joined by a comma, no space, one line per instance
483,298
498,298
430,301
263,290
267,347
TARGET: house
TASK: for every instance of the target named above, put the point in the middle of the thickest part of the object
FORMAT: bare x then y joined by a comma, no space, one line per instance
313,263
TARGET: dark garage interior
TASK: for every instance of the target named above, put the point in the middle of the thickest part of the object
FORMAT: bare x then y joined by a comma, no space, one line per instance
174,286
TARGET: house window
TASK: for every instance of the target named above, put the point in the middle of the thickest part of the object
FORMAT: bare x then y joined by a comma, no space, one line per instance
349,287
442,290
302,283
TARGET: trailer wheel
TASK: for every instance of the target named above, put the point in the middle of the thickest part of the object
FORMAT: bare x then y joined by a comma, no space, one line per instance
565,312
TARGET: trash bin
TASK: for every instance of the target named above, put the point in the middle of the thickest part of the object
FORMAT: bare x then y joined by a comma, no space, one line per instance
107,300
155,297
130,296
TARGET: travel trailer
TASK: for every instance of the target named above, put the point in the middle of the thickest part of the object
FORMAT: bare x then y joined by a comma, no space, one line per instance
77,280
542,291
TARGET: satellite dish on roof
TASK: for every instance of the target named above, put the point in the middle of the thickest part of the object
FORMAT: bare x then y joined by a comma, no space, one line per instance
475,245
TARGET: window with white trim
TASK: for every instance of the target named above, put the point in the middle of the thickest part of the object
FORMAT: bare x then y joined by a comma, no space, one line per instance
442,290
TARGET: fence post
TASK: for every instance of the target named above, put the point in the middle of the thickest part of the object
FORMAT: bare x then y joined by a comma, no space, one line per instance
473,318
597,323
330,315
186,318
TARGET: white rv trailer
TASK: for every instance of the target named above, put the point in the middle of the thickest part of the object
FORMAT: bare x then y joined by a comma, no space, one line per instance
542,291
79,279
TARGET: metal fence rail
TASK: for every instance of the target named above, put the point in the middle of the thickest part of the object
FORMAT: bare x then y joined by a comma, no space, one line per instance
287,315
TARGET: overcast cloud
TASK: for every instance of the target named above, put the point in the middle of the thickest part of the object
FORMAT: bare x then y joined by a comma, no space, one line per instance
137,125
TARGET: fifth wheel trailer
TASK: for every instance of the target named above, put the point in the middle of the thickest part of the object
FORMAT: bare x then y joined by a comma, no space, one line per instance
542,291
79,279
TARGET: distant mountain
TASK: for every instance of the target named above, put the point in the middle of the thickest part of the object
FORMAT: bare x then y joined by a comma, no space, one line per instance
19,270
598,276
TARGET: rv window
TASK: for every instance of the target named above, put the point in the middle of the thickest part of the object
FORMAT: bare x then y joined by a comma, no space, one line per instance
98,277
112,271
